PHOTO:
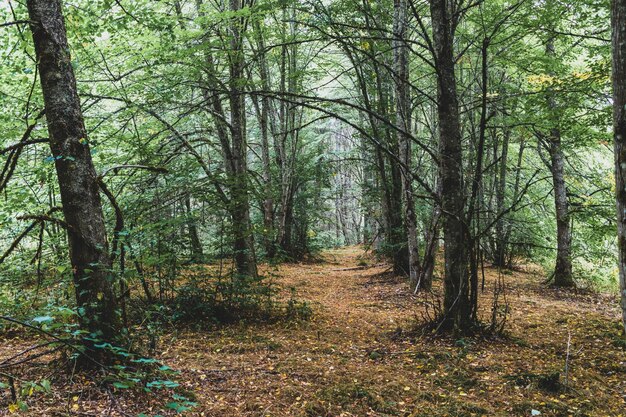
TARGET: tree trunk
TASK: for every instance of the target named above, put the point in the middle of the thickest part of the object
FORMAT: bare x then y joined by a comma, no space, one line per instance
431,235
516,192
563,267
499,255
618,23
268,201
431,240
474,205
395,241
457,306
286,142
403,120
233,141
245,259
391,181
78,184
197,254
266,126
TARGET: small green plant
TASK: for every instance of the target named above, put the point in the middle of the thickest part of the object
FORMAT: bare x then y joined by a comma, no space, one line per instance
298,310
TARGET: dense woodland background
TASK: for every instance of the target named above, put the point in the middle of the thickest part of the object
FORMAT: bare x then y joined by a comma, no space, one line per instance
186,165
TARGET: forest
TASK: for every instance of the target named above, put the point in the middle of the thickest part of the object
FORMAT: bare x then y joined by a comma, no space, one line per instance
313,208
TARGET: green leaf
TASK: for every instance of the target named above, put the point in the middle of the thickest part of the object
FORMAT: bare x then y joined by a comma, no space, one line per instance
180,408
43,319
45,384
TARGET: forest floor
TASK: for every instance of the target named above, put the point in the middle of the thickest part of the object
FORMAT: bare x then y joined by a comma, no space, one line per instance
358,355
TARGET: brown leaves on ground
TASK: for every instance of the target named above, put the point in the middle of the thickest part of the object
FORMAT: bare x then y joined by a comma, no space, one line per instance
353,358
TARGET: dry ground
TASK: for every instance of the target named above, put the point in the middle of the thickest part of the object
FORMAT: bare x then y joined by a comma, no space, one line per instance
356,356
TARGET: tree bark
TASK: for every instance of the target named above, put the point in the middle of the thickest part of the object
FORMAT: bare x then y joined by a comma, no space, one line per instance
563,267
457,306
233,141
287,143
499,255
391,181
197,254
245,258
431,239
403,120
516,192
266,127
78,184
618,23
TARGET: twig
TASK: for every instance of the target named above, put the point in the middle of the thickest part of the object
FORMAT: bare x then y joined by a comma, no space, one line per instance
47,333
115,168
22,144
357,268
569,342
31,357
17,22
45,218
26,351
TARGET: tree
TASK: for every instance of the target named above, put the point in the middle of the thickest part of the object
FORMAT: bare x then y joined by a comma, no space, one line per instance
403,120
556,163
77,178
457,309
232,135
236,155
618,23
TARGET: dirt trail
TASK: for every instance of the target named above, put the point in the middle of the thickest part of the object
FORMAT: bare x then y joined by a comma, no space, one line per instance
352,359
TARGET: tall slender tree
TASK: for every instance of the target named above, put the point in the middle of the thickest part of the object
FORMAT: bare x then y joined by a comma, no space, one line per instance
618,23
403,120
556,163
231,132
78,182
245,257
457,306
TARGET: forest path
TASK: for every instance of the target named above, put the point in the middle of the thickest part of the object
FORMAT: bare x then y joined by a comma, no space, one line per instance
356,356
351,358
